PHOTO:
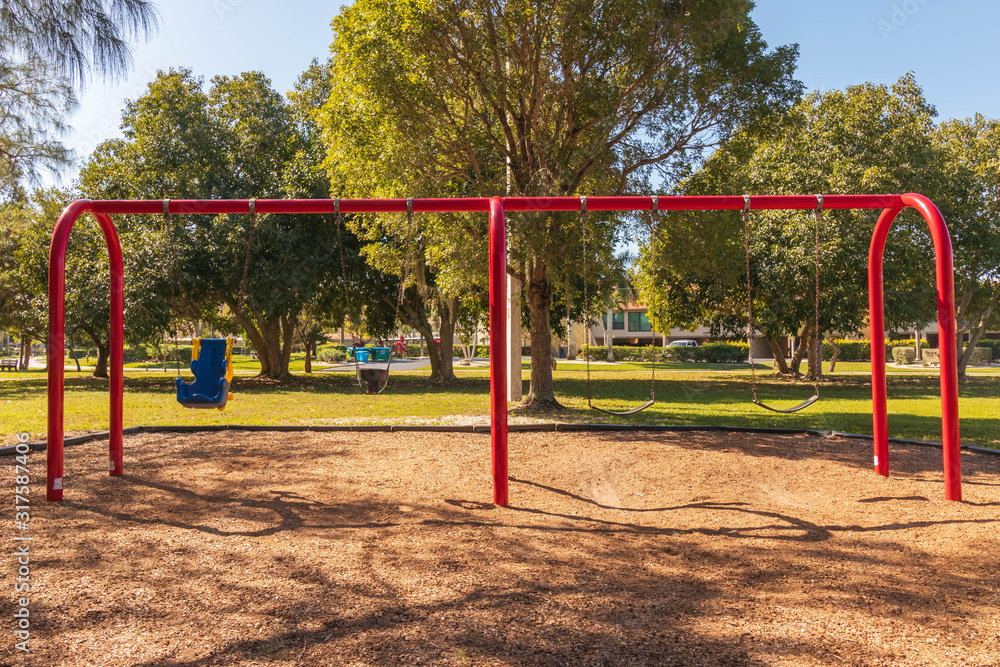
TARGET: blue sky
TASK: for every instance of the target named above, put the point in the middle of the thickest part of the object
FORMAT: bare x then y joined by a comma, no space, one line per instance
951,45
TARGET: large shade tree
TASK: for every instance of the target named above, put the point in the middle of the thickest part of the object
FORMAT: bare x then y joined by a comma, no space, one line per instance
240,139
969,157
551,98
866,139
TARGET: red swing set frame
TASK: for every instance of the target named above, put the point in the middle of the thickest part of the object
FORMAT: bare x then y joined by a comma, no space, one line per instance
890,206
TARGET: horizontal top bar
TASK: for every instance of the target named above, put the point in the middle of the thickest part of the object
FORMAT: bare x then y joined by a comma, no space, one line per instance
481,204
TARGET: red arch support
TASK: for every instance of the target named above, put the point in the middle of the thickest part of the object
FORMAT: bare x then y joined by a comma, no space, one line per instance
55,351
945,282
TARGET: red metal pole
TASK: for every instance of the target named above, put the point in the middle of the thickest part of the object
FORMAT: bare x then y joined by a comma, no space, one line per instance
54,348
498,351
945,282
116,329
876,310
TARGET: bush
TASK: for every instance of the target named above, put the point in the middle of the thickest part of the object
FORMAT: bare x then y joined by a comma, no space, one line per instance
721,353
904,355
138,353
992,344
981,356
861,350
716,353
184,352
331,353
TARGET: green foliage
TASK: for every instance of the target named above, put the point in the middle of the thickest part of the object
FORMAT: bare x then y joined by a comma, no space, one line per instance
46,48
864,139
239,139
981,356
720,352
992,344
861,350
970,202
537,98
331,353
904,355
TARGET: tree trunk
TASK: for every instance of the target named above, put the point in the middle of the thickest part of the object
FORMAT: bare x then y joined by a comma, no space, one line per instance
801,347
413,313
288,338
961,326
541,394
74,357
448,312
101,369
266,336
836,355
975,334
609,336
815,359
779,355
25,353
308,345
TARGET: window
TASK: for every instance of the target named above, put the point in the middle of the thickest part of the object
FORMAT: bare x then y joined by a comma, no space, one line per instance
639,322
618,321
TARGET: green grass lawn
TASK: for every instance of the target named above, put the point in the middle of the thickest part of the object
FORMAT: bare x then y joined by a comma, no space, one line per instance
696,394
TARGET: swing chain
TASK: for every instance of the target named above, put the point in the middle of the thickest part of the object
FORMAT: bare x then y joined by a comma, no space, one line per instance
654,210
246,265
174,278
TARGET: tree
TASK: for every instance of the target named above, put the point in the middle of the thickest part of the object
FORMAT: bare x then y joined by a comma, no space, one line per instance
865,139
87,276
45,47
238,140
77,36
970,202
549,98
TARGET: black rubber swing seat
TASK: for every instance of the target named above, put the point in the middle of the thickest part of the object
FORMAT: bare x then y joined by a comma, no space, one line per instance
624,412
372,376
801,406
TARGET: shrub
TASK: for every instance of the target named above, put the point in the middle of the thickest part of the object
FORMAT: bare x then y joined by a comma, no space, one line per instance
861,350
981,356
331,353
137,353
717,353
904,355
721,352
992,344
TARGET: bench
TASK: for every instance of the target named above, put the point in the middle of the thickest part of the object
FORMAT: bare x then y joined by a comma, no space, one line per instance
8,364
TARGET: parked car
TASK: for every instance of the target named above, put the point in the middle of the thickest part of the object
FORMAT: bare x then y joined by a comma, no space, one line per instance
684,342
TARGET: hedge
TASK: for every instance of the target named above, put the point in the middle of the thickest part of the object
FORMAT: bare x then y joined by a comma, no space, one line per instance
861,350
331,353
717,353
991,343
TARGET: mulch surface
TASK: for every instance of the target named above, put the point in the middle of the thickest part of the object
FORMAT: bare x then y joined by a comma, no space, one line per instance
285,549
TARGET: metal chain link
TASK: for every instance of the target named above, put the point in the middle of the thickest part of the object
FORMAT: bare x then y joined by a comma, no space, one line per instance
246,264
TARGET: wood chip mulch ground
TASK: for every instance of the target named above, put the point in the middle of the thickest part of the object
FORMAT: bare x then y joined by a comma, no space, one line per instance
284,549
